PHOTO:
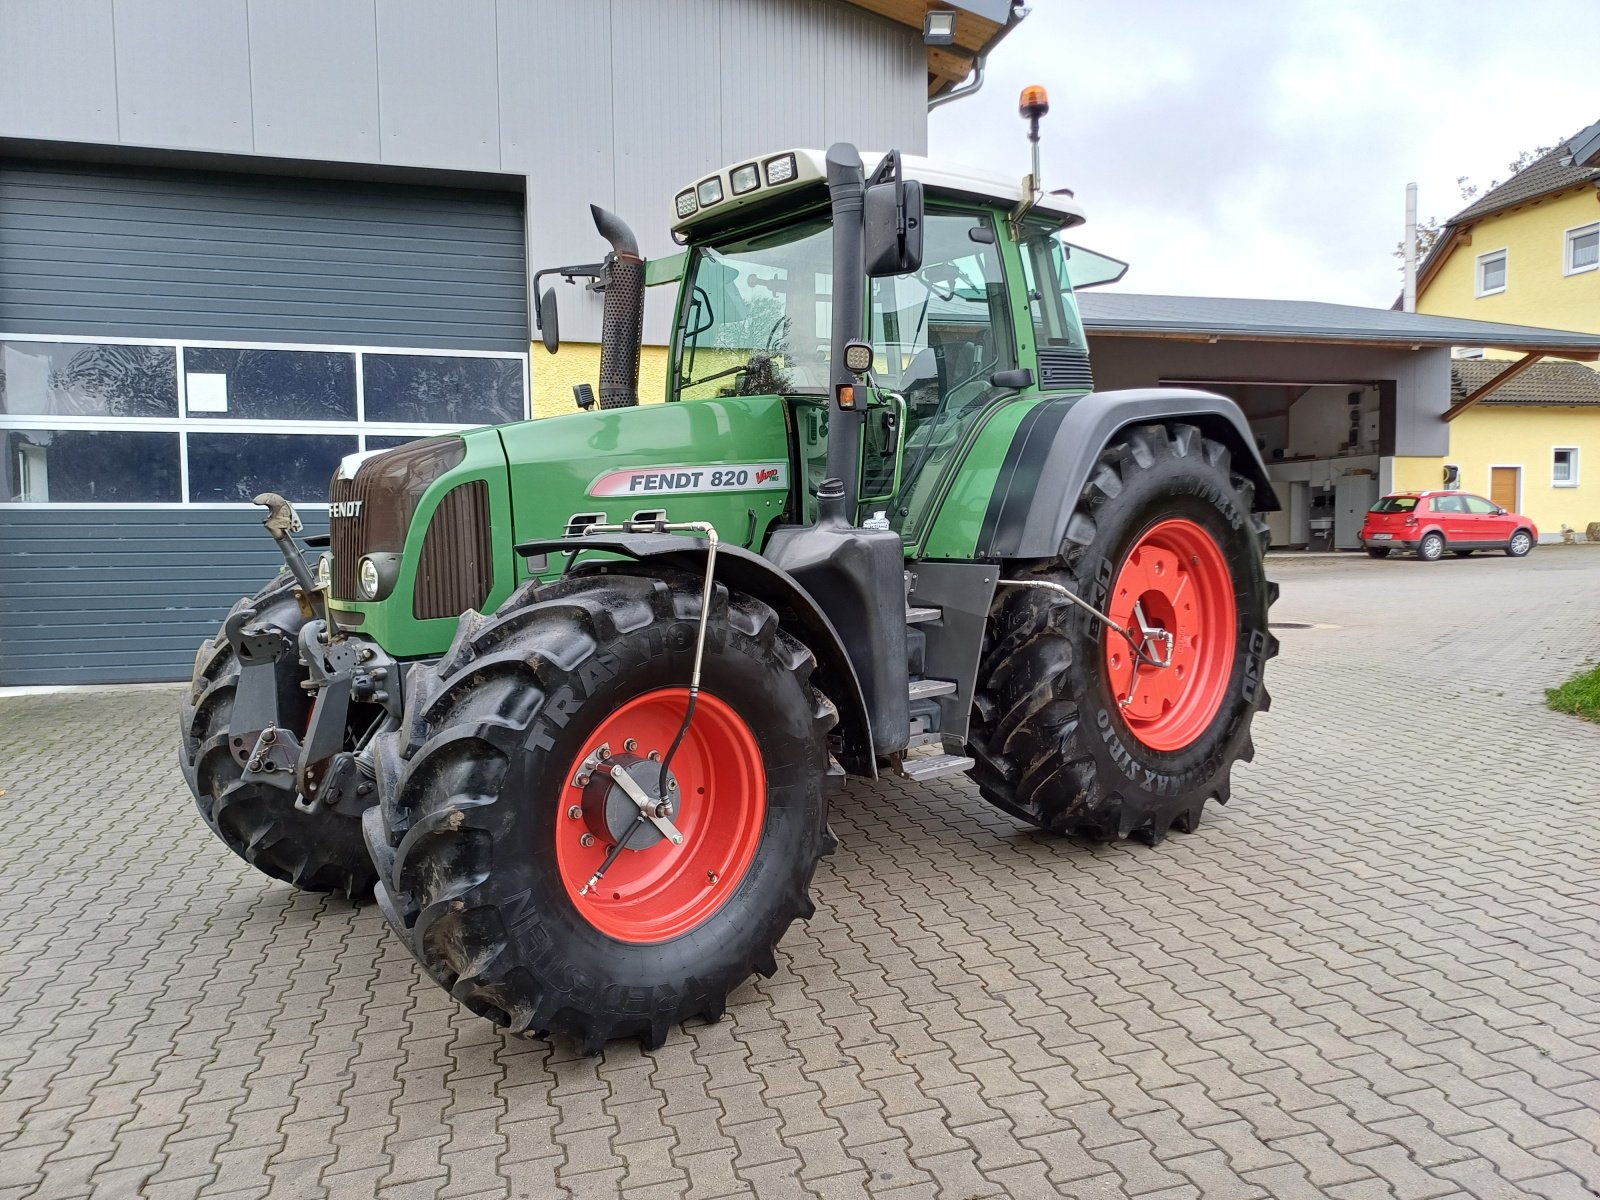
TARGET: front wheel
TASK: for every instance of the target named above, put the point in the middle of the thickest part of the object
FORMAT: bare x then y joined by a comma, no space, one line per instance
500,806
1431,547
1082,731
1521,542
317,851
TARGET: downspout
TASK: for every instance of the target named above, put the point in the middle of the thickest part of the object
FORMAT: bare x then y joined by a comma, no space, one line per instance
969,86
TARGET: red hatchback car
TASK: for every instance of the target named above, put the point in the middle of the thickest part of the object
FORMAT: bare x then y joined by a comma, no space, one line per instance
1429,523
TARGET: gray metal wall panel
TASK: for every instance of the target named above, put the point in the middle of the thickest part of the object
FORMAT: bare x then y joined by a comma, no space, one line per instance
314,79
37,37
615,102
183,74
153,253
556,126
438,81
122,596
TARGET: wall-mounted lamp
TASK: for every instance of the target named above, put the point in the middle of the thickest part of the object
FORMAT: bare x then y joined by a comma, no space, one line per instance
939,28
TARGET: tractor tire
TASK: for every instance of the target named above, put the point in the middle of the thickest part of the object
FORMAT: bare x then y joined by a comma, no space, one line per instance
1377,552
494,811
1061,735
320,851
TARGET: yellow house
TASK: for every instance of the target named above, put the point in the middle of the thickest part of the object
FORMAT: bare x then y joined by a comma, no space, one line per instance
1527,253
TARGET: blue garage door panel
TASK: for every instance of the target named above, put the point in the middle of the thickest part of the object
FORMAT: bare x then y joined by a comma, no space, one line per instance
104,596
150,252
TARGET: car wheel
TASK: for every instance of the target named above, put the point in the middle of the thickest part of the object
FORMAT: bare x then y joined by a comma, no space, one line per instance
1377,552
1521,542
1431,547
1462,553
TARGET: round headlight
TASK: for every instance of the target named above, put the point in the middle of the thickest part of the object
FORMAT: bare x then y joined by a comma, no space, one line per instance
325,572
367,577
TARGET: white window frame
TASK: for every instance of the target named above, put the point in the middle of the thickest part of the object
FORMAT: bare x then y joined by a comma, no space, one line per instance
1568,239
1577,457
1477,279
184,423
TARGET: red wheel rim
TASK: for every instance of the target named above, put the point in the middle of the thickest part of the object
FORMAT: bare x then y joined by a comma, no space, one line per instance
1177,575
662,891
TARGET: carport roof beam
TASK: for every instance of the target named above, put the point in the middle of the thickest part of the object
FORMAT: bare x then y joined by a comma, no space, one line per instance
1494,385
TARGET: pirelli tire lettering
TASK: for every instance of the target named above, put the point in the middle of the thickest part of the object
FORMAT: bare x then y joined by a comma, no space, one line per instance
684,481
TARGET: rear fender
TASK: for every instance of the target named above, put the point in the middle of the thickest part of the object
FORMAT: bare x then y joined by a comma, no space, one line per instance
1059,441
747,572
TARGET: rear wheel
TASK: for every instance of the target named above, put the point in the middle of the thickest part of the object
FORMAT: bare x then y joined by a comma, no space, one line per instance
1431,547
1076,731
317,851
499,805
1521,542
1377,552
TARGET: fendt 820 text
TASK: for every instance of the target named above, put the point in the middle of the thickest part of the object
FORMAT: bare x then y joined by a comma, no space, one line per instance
570,695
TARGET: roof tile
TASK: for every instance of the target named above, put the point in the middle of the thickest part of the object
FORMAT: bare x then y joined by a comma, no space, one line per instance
1545,383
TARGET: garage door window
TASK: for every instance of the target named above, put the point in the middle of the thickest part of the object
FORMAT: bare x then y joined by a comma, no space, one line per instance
90,466
87,379
100,422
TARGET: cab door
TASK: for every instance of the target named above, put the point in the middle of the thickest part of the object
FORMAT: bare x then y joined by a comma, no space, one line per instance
939,334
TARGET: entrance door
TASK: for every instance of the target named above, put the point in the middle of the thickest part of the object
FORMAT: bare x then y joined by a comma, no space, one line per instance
1504,484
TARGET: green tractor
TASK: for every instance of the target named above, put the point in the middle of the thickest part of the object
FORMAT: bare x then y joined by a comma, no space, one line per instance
570,695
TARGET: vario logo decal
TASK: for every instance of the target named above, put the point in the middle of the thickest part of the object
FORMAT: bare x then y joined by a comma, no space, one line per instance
681,481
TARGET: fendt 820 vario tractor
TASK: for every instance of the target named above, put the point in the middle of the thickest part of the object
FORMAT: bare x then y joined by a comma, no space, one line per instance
570,693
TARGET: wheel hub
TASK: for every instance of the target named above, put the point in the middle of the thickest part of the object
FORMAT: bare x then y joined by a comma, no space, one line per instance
609,812
1174,593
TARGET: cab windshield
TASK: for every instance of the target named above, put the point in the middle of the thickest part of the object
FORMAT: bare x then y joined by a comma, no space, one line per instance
756,318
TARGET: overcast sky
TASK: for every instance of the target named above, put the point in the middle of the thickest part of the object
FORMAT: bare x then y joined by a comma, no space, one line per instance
1262,147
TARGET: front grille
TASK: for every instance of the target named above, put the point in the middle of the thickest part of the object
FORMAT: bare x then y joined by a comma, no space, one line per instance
348,535
457,569
1064,367
372,511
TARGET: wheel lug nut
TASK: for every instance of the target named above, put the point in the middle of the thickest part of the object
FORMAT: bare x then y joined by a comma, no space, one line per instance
604,753
586,840
630,745
654,756
574,813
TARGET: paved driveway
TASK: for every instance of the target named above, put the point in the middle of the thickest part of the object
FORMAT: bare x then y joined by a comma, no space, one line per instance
1373,974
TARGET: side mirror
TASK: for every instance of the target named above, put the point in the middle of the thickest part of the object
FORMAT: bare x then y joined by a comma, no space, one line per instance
892,227
549,321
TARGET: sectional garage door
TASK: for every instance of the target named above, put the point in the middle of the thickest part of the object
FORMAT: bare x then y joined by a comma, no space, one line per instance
173,341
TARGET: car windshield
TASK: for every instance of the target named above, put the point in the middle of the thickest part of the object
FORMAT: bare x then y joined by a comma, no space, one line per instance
757,318
1395,504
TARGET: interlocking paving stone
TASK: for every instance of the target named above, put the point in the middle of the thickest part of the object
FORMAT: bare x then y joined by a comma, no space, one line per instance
1370,975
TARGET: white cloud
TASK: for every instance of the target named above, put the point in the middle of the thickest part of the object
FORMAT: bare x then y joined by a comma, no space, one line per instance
1259,148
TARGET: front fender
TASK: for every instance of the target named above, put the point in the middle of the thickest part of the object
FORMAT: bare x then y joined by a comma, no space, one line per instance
1059,441
747,572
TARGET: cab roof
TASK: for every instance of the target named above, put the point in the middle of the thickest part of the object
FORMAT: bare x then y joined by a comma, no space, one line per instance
809,172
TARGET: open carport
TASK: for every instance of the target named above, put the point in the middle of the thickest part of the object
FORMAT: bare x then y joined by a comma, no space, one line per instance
1346,403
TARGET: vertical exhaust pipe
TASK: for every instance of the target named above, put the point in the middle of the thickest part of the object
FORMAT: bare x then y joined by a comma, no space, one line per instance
622,326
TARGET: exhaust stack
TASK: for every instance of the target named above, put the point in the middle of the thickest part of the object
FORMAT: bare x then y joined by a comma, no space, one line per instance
622,326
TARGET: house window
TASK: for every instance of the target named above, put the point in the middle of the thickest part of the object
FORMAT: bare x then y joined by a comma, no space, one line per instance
1492,273
1583,249
1564,466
